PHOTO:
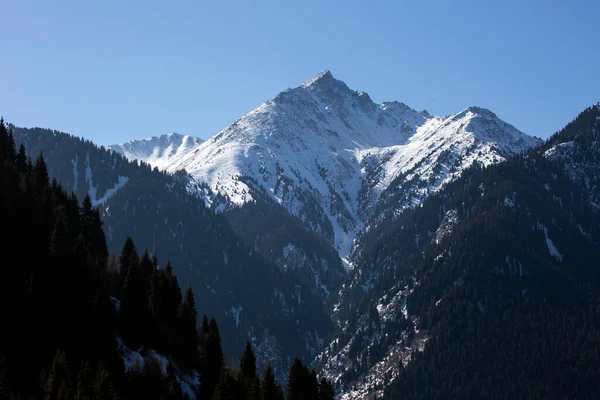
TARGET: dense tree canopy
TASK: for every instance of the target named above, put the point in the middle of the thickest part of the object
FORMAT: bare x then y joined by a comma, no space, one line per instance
68,317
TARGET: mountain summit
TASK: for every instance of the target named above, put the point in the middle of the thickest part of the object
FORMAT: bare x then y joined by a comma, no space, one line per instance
319,79
328,153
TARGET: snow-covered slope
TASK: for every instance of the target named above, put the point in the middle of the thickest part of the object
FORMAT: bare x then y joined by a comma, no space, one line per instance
401,176
158,151
327,153
548,199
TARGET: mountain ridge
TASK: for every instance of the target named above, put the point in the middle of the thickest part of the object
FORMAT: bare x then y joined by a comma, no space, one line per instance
326,153
157,150
491,270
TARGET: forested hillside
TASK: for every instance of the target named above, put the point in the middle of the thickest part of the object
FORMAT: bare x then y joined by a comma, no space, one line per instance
489,288
80,324
242,286
494,282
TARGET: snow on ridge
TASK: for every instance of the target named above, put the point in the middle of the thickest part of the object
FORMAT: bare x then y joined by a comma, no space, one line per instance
122,180
157,150
559,150
316,140
324,74
190,382
550,244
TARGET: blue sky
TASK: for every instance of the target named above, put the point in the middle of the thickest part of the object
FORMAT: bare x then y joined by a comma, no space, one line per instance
113,71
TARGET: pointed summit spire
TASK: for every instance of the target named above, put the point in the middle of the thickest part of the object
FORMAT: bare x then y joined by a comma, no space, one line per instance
322,77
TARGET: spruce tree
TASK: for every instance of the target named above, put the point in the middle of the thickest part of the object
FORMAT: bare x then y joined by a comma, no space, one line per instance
40,174
269,385
248,363
189,338
147,267
134,306
255,389
171,387
296,381
21,159
92,228
280,395
102,385
58,383
84,381
326,391
128,257
213,364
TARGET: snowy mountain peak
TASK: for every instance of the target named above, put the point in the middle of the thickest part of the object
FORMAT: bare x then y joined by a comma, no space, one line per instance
328,89
157,150
328,153
321,78
485,126
480,110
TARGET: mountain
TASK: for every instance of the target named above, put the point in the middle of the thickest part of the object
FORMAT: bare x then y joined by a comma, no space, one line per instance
251,296
120,328
158,151
489,289
471,246
327,153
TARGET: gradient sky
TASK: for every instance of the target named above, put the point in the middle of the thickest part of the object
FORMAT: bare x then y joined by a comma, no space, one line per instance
112,71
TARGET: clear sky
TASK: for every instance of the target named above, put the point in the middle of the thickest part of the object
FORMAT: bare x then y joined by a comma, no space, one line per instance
112,71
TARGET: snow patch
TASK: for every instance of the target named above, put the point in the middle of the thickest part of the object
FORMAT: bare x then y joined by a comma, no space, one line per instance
122,180
551,248
75,161
236,311
510,202
448,223
559,150
117,303
287,249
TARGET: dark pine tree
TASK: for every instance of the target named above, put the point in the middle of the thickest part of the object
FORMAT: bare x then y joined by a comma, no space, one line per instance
189,337
21,159
269,385
296,381
248,363
85,378
171,387
134,306
326,391
102,385
58,383
212,363
91,225
128,257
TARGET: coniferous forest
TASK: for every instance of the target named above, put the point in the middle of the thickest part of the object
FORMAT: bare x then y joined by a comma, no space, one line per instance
498,274
79,323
